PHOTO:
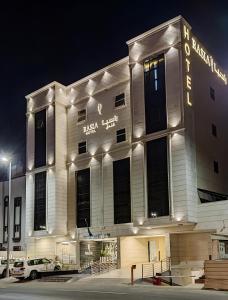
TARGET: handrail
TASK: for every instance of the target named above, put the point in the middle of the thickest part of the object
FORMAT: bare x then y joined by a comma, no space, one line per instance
152,268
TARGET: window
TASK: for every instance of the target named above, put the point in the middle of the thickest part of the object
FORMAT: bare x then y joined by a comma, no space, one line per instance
214,130
82,148
83,198
212,93
122,191
17,220
40,138
5,219
216,167
208,196
40,201
120,135
81,115
155,94
120,100
157,178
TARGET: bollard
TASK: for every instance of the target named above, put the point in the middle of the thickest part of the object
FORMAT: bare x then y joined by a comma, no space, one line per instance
133,267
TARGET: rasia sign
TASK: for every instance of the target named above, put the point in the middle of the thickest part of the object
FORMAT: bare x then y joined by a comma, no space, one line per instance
92,127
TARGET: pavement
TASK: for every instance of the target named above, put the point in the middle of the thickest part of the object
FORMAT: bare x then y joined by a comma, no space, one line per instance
101,287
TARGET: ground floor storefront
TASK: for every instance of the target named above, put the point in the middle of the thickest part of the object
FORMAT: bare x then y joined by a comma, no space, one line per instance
183,248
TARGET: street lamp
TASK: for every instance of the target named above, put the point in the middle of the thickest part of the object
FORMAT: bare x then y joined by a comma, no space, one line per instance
8,161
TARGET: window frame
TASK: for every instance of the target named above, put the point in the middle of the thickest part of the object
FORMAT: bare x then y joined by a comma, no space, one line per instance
121,105
34,221
214,130
5,218
79,153
19,199
212,93
84,120
216,166
120,135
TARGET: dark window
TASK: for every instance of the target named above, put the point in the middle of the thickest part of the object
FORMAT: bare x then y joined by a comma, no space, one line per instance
122,191
17,248
212,93
81,115
83,198
17,220
155,94
120,100
214,130
208,196
157,178
40,201
216,167
120,135
82,148
5,219
40,138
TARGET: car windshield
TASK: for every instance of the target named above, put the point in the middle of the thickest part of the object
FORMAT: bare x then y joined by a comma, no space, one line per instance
18,264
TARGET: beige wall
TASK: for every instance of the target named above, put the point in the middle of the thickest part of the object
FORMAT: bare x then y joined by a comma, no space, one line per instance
135,250
190,247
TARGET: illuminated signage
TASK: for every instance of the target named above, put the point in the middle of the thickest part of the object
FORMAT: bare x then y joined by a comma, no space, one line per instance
191,43
188,77
110,122
92,127
99,108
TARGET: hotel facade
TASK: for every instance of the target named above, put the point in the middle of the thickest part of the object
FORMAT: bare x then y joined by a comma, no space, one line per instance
130,162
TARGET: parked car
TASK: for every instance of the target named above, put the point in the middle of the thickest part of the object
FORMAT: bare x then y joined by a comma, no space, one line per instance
31,268
3,263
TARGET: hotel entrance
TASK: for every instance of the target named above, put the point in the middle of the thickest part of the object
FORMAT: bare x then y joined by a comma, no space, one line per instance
142,249
66,252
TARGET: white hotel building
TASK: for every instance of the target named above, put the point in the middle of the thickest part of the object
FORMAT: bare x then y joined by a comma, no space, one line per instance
131,161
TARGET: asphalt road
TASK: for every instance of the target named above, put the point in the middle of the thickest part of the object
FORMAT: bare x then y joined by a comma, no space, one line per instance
126,292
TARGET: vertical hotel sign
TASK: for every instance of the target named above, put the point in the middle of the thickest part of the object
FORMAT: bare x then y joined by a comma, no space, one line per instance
187,61
191,44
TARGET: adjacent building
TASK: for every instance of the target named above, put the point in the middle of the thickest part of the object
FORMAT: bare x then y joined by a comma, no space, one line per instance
130,162
16,209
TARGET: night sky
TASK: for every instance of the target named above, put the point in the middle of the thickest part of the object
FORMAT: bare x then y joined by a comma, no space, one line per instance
43,41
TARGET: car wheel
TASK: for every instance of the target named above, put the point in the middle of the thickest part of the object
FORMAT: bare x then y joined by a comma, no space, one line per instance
33,275
57,268
4,273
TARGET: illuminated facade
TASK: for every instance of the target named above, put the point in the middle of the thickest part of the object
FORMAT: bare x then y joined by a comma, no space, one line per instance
132,155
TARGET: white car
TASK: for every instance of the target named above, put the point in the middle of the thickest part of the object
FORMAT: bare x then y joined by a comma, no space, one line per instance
31,268
3,263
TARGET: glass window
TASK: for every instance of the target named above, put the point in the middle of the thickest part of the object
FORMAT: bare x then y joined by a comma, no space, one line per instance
5,219
214,130
120,100
83,198
81,115
216,167
155,94
212,93
40,201
40,138
82,148
19,264
157,178
120,135
208,196
122,191
17,220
